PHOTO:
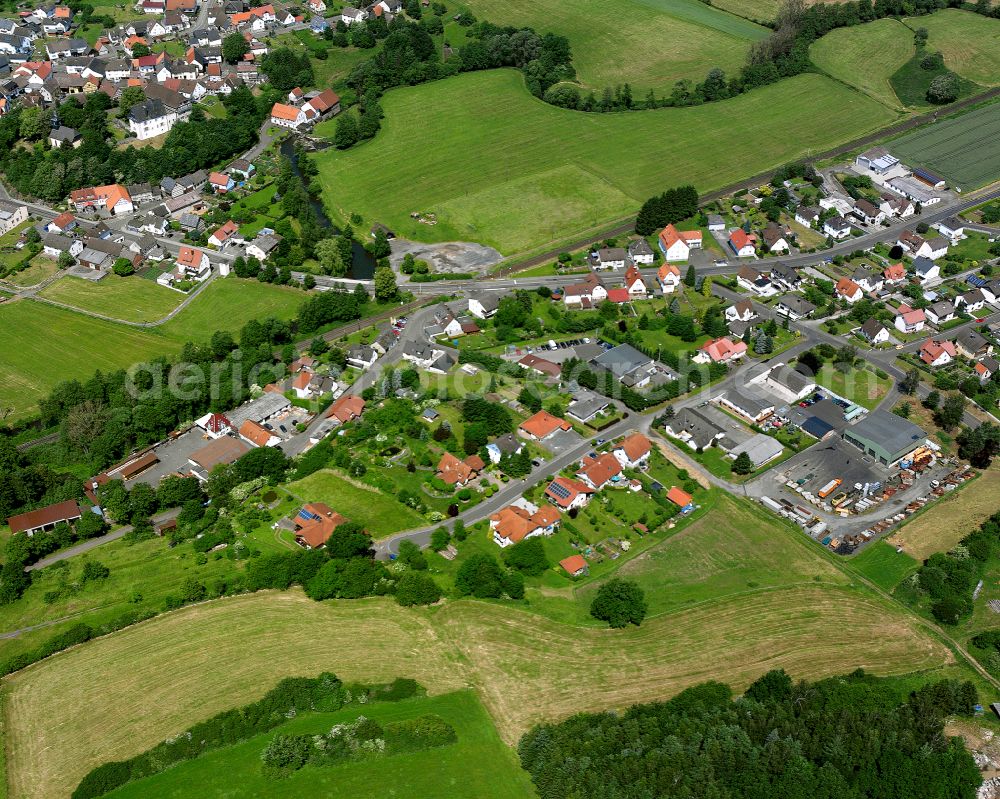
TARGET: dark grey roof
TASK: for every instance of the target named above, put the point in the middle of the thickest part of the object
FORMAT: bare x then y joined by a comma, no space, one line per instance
622,360
794,381
147,110
586,404
797,304
922,265
701,429
872,328
892,433
507,443
942,308
747,403
971,340
640,247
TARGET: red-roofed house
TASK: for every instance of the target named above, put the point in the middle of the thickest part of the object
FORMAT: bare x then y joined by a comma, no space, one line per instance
220,182
598,472
849,290
542,425
574,566
257,434
721,350
634,283
909,320
568,494
229,233
113,197
194,263
742,243
346,409
633,451
669,277
324,104
894,274
214,424
457,473
937,353
63,223
315,523
676,245
287,116
618,296
540,365
516,522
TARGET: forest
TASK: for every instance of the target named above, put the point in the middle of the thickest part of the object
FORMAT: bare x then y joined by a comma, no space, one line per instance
841,738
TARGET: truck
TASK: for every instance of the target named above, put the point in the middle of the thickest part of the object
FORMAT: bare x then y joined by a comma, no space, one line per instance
829,488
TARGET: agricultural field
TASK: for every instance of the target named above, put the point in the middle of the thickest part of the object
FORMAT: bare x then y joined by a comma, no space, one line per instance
55,344
113,701
131,299
758,10
960,148
950,519
969,42
599,31
866,56
534,158
459,771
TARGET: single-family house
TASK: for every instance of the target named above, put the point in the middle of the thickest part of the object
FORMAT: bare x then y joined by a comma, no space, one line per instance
194,262
503,446
633,451
586,405
807,215
600,471
542,425
874,332
786,277
909,320
973,345
940,312
937,353
540,365
483,306
868,213
925,269
227,234
743,244
634,283
114,198
716,224
775,239
314,524
610,258
255,433
742,311
692,427
287,116
522,520
346,408
214,424
65,137
836,227
640,253
568,493
751,409
669,278
848,290
265,242
971,301
986,368
221,183
951,228
868,280
756,280
794,307
721,350
457,472
361,356
575,566
896,206
895,274
63,223
587,293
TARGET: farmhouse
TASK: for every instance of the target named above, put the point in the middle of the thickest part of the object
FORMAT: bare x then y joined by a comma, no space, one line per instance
884,436
542,425
44,519
287,116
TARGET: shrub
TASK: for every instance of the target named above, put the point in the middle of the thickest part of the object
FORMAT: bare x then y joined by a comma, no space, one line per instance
417,588
619,603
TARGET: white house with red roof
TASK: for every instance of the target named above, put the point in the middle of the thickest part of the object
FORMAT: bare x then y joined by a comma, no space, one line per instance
634,283
633,451
937,353
676,245
214,424
721,350
287,116
849,290
909,320
521,520
568,494
598,472
227,234
669,278
194,263
743,244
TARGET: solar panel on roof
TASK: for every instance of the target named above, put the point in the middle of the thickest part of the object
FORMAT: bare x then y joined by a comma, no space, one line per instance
559,490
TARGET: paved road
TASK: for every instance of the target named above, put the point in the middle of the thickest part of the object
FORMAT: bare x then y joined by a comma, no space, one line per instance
93,543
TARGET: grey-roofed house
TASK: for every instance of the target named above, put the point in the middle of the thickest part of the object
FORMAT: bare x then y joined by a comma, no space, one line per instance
507,444
972,345
884,436
794,307
361,356
788,383
874,331
484,305
640,252
191,222
750,408
786,275
694,428
64,136
586,405
629,366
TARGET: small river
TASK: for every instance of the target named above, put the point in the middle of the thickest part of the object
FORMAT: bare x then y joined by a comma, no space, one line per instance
362,263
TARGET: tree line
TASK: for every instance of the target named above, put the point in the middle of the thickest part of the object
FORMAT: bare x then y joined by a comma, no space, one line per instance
842,738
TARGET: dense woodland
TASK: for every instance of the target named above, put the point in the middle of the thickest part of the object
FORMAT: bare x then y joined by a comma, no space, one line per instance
842,738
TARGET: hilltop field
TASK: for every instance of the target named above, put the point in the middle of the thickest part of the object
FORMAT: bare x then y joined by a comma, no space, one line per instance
759,598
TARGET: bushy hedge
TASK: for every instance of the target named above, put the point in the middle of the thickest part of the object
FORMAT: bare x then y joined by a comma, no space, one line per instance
322,694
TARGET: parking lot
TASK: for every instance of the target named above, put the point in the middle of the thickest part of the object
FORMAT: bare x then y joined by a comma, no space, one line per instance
173,456
561,441
582,348
833,459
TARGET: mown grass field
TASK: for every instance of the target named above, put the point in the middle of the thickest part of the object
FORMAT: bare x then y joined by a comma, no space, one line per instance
381,514
130,298
950,519
760,10
969,42
462,770
866,56
858,386
962,149
883,565
600,33
534,160
55,344
121,694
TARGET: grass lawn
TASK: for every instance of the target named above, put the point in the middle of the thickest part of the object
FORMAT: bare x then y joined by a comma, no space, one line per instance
858,386
911,81
866,56
969,42
478,759
113,699
380,514
54,344
129,298
883,565
228,304
950,519
597,30
546,173
42,267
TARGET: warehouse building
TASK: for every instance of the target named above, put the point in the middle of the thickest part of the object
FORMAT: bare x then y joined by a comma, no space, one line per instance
884,436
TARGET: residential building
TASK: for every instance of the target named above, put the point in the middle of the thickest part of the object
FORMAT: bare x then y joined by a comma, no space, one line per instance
789,384
868,213
543,425
848,290
522,520
361,356
837,227
600,471
868,280
937,353
627,365
742,311
540,365
114,198
749,408
610,258
694,428
721,350
669,278
575,566
347,408
287,116
971,301
227,234
568,493
503,446
940,312
894,274
458,473
257,434
972,345
586,405
150,118
743,244
756,280
214,424
640,253
587,293
925,269
909,320
986,368
874,332
794,307
634,283
484,306
633,451
676,245
12,214
775,239
786,277
807,215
